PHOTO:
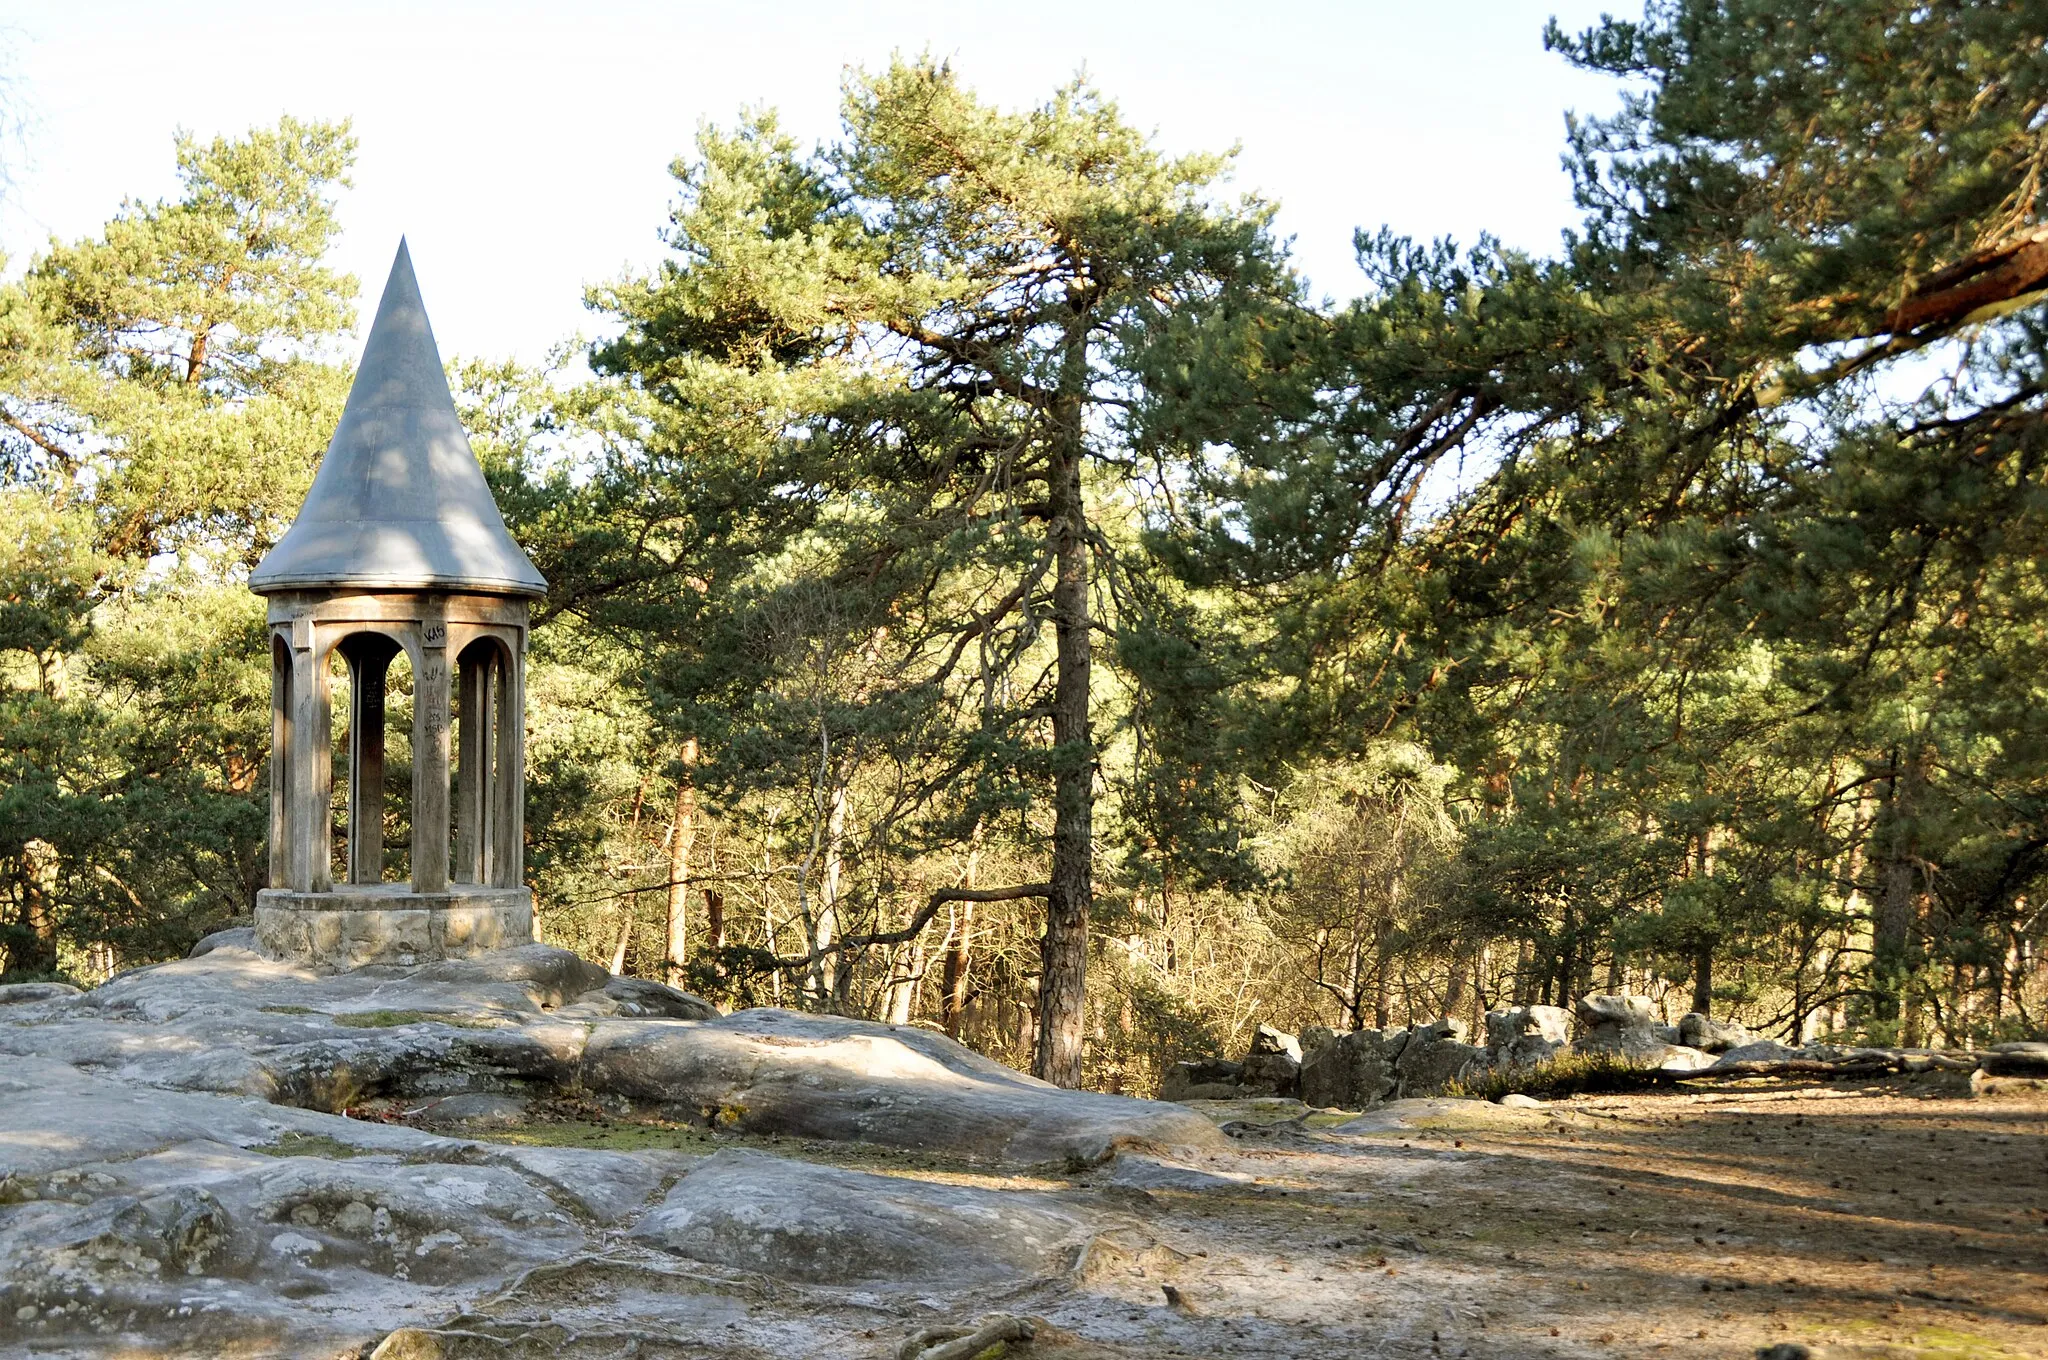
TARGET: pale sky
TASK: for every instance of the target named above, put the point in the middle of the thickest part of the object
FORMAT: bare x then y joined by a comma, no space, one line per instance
524,148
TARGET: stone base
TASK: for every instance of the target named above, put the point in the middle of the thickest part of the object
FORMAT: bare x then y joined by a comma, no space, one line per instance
351,926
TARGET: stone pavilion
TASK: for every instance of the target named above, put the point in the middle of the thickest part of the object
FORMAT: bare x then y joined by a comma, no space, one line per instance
398,549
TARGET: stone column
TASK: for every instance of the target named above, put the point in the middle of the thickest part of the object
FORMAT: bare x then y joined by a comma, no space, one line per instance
430,757
508,831
311,765
280,875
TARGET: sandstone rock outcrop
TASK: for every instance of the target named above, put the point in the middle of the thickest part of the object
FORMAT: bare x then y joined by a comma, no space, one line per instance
816,1076
1353,1071
175,1180
1435,1056
1360,1069
827,1225
1273,1067
536,1020
1626,1029
1712,1036
1526,1036
2017,1060
1207,1079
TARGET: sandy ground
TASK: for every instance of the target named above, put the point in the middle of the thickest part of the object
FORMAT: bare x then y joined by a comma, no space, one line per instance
1889,1218
1867,1221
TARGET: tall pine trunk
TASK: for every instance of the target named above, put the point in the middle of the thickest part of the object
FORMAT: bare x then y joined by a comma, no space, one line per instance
829,976
679,847
1703,948
1063,952
34,949
714,918
1897,906
1382,983
906,977
632,899
959,946
954,972
1383,932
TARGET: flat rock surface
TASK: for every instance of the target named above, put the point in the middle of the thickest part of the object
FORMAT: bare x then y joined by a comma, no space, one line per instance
1443,1113
467,1040
177,1176
819,1076
828,1225
159,1197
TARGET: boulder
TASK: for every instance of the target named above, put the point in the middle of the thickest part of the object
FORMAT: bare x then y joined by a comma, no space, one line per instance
823,1225
1625,1028
607,1187
1267,1042
1522,1037
1622,1012
236,1023
474,1110
1325,1076
215,1218
2016,1060
1677,1059
433,1224
643,997
1354,1071
33,993
1270,1074
1505,1028
1849,1056
1134,1171
1431,1060
1712,1036
550,977
1641,1047
1447,1114
1273,1067
1531,1050
821,1076
169,1184
234,937
1446,1028
1760,1050
1205,1079
1983,1084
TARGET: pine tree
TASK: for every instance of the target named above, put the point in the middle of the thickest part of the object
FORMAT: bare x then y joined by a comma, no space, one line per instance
923,329
164,395
1751,488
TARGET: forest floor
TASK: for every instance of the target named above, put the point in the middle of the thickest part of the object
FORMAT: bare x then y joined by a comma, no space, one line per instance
1885,1218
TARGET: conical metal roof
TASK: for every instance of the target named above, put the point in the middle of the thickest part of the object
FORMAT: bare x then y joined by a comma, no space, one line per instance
399,502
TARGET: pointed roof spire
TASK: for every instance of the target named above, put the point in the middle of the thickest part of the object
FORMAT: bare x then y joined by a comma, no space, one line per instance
399,502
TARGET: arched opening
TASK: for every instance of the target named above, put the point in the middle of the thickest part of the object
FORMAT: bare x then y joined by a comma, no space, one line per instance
486,765
360,754
386,740
398,758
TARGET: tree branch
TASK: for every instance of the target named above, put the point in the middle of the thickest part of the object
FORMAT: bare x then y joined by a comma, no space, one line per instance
768,961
